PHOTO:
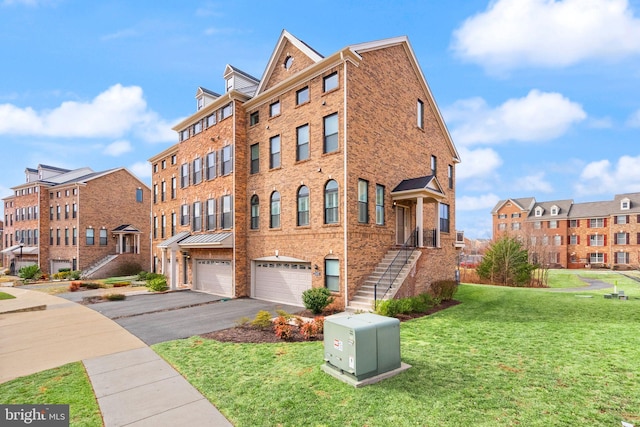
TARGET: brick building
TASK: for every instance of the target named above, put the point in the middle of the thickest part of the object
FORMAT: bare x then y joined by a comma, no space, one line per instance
78,219
575,235
308,177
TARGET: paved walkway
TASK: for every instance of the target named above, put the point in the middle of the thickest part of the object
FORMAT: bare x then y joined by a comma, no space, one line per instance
133,385
592,285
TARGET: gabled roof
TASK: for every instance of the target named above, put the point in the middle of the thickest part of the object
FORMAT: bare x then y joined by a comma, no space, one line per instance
591,210
524,204
273,61
424,186
126,228
202,90
564,207
230,69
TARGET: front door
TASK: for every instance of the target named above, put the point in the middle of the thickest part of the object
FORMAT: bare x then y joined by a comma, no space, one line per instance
402,223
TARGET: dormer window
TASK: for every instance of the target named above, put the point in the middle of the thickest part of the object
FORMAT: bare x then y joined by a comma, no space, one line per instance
200,103
539,211
625,204
554,210
229,84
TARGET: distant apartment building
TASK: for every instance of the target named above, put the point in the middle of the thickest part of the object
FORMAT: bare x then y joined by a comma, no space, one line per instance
77,219
308,177
565,234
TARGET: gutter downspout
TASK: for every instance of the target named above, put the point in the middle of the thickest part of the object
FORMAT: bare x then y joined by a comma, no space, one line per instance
345,182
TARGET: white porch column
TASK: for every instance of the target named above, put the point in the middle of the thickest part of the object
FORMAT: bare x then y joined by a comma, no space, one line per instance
120,244
174,272
420,222
163,266
138,244
437,224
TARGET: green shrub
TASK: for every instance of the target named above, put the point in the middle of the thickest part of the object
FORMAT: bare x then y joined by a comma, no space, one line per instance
128,269
114,297
157,284
64,270
29,272
316,299
92,285
281,312
444,289
142,276
243,321
74,275
151,276
262,320
389,307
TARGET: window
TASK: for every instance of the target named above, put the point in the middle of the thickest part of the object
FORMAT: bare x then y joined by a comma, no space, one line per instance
302,96
379,204
420,113
450,175
332,274
625,204
553,224
89,236
274,109
596,223
538,211
331,202
363,201
502,216
622,257
303,206
211,120
516,215
514,225
226,111
58,236
596,258
200,103
330,133
103,237
163,191
197,171
574,240
155,168
573,223
196,224
211,165
227,164
184,215
211,214
288,62
174,159
184,175
554,210
255,212
163,226
74,236
255,158
620,219
557,240
622,238
330,82
197,128
227,212
275,210
164,164
155,193
434,165
596,240
302,143
57,212
66,211
444,218
254,118
174,223
184,135
274,152
174,187
155,227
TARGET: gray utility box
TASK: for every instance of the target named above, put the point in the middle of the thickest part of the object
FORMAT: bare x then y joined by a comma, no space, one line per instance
362,345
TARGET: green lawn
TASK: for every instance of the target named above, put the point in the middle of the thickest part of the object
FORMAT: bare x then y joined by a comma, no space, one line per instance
4,295
67,384
503,357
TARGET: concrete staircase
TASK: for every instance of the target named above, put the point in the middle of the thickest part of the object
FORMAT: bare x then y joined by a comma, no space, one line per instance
364,298
93,269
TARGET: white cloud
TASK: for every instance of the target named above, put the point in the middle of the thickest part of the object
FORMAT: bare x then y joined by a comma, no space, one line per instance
122,34
600,123
117,148
539,116
475,203
548,33
601,177
634,120
141,169
479,163
113,113
534,184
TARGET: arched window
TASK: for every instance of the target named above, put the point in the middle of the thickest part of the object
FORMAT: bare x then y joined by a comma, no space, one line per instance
303,205
331,202
275,210
255,212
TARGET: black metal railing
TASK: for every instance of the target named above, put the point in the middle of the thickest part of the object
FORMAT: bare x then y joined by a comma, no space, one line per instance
430,238
394,269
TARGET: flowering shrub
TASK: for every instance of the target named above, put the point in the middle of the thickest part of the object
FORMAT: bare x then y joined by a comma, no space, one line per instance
283,329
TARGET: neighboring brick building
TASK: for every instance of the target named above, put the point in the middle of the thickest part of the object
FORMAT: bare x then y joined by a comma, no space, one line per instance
575,235
308,177
75,219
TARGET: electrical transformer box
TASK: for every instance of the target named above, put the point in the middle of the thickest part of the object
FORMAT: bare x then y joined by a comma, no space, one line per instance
362,345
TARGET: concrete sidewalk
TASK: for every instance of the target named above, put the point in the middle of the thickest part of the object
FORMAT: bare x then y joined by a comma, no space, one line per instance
133,385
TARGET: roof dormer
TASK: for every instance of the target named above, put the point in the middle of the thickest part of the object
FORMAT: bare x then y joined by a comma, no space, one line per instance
538,211
205,97
236,79
555,210
625,204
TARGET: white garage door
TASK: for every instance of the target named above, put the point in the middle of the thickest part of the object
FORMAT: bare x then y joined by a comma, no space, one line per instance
56,265
214,276
282,282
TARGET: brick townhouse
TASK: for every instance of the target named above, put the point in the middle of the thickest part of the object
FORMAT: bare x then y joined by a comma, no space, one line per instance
308,177
78,219
575,235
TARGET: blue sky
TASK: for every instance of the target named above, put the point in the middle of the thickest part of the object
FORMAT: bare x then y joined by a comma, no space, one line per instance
542,97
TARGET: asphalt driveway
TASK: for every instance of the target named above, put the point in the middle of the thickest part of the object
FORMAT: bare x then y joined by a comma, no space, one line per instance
156,318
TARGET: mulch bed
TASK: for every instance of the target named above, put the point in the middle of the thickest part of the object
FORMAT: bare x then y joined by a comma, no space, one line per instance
248,334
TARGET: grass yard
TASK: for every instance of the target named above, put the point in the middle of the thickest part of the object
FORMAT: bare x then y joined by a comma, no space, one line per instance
67,384
4,295
505,356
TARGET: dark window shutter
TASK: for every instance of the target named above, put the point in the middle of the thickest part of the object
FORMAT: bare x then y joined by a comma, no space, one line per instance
628,239
615,219
605,257
588,240
578,241
627,219
604,240
637,238
588,223
604,222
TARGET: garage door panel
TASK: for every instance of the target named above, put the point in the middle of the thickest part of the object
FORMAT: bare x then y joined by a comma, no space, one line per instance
282,282
214,276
